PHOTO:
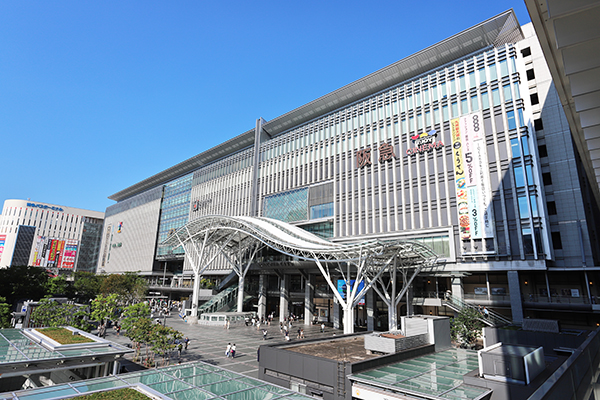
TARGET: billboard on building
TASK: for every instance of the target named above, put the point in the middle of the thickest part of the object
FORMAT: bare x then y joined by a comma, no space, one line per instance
2,241
57,253
472,177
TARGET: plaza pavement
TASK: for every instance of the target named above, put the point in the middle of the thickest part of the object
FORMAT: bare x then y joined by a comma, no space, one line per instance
208,343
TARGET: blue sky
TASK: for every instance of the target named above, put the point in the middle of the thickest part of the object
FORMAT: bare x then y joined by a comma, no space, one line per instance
96,96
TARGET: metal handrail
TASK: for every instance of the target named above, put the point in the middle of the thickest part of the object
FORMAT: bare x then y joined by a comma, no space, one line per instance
492,318
218,301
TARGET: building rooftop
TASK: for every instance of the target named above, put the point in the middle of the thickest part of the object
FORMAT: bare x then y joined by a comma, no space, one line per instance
196,380
434,376
21,353
349,349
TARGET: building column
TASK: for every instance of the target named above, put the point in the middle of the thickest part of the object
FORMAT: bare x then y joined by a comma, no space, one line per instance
262,296
284,296
309,294
457,288
370,300
337,314
240,299
516,304
410,293
193,318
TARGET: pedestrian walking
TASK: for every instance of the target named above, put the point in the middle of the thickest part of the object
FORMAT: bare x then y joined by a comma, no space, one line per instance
233,351
322,328
298,336
179,348
186,341
228,350
301,333
264,334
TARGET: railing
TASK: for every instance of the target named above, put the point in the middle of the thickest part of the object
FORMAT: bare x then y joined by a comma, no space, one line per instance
219,301
487,316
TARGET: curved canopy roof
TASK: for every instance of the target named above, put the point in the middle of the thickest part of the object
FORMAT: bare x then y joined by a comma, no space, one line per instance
291,240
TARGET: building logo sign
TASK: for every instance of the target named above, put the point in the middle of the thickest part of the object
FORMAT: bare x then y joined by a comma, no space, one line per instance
386,153
44,207
363,158
200,204
120,227
424,142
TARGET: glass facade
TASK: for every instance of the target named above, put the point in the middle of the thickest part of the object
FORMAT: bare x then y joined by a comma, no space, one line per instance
175,210
87,259
288,207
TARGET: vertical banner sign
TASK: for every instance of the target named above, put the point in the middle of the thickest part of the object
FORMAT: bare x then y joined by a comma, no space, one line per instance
70,253
59,253
468,136
482,171
462,201
2,241
52,257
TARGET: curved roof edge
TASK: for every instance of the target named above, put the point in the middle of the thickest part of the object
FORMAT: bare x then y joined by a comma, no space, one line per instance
500,29
292,240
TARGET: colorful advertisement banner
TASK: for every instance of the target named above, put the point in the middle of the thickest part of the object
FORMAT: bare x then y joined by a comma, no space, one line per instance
462,202
70,253
343,288
2,241
473,184
49,252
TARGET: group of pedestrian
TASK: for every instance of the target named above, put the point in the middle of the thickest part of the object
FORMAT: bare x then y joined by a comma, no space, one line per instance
230,351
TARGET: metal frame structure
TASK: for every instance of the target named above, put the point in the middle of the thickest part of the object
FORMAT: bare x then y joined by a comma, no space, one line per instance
239,239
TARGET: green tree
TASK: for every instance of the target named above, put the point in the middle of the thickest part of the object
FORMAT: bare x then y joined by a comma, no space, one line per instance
87,285
22,282
466,327
58,286
5,316
103,309
129,287
163,340
52,313
140,333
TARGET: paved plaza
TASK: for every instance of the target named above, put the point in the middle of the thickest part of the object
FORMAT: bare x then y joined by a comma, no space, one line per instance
208,343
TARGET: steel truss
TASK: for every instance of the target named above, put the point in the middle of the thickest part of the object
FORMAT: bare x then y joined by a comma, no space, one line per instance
239,239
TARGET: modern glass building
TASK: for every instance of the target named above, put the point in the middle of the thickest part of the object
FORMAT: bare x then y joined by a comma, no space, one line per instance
463,147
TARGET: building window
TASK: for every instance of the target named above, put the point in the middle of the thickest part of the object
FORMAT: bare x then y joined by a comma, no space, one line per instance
510,117
547,178
534,99
543,150
530,75
526,52
556,241
551,207
538,124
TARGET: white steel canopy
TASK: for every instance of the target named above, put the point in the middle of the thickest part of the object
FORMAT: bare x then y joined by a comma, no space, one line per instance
238,239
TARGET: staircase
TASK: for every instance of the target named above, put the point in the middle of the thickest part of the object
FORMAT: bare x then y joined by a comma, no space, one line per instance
492,319
219,301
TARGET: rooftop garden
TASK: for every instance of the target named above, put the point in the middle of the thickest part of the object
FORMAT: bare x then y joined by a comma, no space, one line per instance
64,336
119,394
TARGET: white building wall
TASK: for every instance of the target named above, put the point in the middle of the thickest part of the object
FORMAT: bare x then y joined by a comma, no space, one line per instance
50,220
132,249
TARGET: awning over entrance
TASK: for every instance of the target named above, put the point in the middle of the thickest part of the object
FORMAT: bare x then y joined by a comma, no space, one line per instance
238,239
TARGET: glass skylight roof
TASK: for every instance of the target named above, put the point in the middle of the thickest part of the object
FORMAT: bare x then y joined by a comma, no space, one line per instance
16,347
438,374
196,380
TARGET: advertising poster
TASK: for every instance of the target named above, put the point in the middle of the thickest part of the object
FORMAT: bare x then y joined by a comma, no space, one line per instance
2,241
343,288
471,170
70,253
59,252
462,201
